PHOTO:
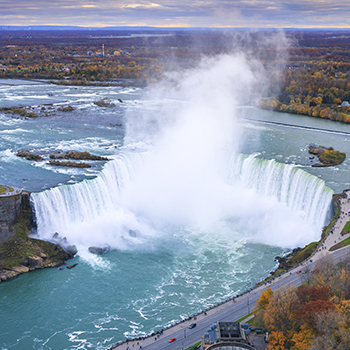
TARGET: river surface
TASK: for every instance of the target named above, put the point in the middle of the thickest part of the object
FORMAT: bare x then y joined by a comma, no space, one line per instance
180,241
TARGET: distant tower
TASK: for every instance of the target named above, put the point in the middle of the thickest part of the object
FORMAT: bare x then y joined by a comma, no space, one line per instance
103,49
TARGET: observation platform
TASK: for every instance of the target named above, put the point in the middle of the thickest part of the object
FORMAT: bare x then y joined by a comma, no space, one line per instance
9,191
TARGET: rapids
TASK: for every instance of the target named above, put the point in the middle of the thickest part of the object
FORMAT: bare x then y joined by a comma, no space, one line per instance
195,202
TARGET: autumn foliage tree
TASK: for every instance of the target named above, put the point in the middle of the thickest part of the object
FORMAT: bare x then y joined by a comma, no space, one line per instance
262,304
277,341
279,312
310,317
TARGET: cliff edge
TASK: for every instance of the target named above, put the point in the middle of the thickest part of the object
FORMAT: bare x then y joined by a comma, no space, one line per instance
18,252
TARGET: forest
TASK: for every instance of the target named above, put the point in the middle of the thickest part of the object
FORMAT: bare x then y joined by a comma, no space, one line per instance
314,316
312,79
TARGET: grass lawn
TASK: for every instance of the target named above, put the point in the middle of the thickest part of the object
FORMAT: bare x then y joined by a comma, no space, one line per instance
244,317
194,346
346,228
342,244
2,189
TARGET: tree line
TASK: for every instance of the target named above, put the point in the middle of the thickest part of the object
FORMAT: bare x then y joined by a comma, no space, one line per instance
314,316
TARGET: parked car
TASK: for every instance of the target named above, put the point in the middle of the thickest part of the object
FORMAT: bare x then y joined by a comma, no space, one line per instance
192,325
171,340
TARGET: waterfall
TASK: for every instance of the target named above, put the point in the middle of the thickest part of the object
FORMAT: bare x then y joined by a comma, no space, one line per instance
101,210
303,193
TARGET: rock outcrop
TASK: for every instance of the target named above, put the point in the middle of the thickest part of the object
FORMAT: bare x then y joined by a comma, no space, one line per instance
98,250
13,205
326,156
20,253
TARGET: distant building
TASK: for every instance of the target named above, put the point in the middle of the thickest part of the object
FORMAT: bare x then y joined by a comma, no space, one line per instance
345,104
225,336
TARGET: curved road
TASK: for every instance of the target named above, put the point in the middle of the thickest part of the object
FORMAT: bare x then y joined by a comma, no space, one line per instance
243,305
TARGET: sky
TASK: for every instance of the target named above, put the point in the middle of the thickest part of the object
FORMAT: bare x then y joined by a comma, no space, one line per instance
178,13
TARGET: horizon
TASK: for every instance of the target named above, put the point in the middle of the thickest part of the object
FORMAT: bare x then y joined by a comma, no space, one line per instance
141,28
267,14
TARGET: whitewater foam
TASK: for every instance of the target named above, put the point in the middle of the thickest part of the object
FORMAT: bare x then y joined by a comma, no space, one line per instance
179,173
270,202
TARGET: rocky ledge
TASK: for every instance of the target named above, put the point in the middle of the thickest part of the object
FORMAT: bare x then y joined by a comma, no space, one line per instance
21,254
69,164
326,156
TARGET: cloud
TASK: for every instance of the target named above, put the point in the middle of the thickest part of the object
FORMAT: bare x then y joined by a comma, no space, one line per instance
144,6
203,13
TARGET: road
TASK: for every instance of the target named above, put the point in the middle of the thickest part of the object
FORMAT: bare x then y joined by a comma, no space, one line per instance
243,305
228,311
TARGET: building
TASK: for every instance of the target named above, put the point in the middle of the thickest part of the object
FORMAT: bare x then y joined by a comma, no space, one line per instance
225,336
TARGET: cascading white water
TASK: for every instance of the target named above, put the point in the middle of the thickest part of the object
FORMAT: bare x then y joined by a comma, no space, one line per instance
257,196
304,194
176,173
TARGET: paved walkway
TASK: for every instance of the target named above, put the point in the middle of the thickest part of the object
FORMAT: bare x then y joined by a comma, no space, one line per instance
181,331
335,235
10,191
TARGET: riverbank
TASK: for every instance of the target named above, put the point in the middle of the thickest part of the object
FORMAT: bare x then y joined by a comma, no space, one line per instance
336,113
20,253
242,304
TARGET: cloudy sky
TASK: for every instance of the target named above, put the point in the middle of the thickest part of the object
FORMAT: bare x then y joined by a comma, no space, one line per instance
178,13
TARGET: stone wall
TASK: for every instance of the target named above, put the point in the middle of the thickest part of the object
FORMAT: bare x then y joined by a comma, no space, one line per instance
11,209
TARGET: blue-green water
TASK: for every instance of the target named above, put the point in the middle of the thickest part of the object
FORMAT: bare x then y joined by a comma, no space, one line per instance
206,221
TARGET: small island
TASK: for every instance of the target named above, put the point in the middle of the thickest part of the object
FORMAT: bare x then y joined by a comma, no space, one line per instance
69,164
66,155
326,156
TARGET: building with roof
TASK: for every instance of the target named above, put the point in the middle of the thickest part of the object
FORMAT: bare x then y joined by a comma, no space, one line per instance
225,336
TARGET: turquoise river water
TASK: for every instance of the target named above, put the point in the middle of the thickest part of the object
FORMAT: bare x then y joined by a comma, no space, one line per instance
194,203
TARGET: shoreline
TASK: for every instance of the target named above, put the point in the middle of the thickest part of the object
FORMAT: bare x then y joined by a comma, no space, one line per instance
336,118
19,253
321,251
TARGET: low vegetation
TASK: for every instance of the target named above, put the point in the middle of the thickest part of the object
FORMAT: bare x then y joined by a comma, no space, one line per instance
19,249
341,244
327,156
77,155
346,228
30,156
16,250
21,111
69,164
66,155
194,346
297,256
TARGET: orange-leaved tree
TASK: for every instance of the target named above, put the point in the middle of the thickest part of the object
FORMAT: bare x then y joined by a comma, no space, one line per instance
303,339
261,305
279,312
277,341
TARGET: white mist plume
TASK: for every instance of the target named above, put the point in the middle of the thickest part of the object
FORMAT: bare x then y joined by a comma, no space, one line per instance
184,173
175,171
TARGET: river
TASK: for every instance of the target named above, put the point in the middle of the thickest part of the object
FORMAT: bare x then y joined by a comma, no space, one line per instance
194,208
